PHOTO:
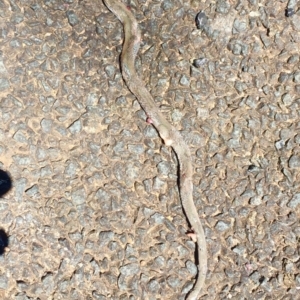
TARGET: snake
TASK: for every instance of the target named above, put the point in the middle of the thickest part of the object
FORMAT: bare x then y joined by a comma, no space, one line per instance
168,133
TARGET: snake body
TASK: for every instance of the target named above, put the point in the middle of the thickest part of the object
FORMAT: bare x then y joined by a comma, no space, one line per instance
167,132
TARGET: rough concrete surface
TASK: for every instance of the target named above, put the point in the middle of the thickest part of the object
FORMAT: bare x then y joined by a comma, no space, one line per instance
94,212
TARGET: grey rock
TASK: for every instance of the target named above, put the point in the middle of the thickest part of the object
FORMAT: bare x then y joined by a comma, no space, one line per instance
17,18
295,201
3,282
287,99
121,101
119,148
167,5
46,171
150,132
283,77
201,20
72,17
130,269
192,268
255,200
174,281
92,99
136,149
23,160
3,69
75,127
297,77
239,249
4,84
153,286
164,168
33,191
110,71
158,218
114,127
222,6
102,195
280,144
78,196
46,125
222,226
239,26
159,262
21,137
293,59
184,80
105,237
20,185
71,168
200,62
294,161
158,183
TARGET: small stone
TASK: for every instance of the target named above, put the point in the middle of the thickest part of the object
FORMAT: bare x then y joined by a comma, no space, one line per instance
78,196
160,261
255,200
153,285
236,49
72,18
130,269
293,59
75,127
184,80
280,144
239,26
136,149
110,71
33,191
192,268
3,282
177,115
71,168
199,62
17,18
158,218
92,99
222,6
289,12
174,282
222,226
167,5
4,84
157,183
297,77
283,77
20,137
295,201
105,237
164,168
63,56
201,20
239,249
46,125
287,99
294,162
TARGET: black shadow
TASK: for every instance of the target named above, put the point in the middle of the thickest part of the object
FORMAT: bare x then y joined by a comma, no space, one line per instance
5,183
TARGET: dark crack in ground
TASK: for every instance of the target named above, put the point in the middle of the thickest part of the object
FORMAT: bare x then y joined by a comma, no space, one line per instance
94,212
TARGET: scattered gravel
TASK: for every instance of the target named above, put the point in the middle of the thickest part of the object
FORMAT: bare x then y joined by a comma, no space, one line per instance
94,210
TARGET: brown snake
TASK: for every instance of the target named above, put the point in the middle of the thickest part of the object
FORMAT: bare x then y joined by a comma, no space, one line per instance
167,132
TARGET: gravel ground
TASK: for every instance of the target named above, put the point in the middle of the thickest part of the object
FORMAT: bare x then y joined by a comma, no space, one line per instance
94,212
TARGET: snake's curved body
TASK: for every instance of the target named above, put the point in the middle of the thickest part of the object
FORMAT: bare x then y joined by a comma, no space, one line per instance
167,132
